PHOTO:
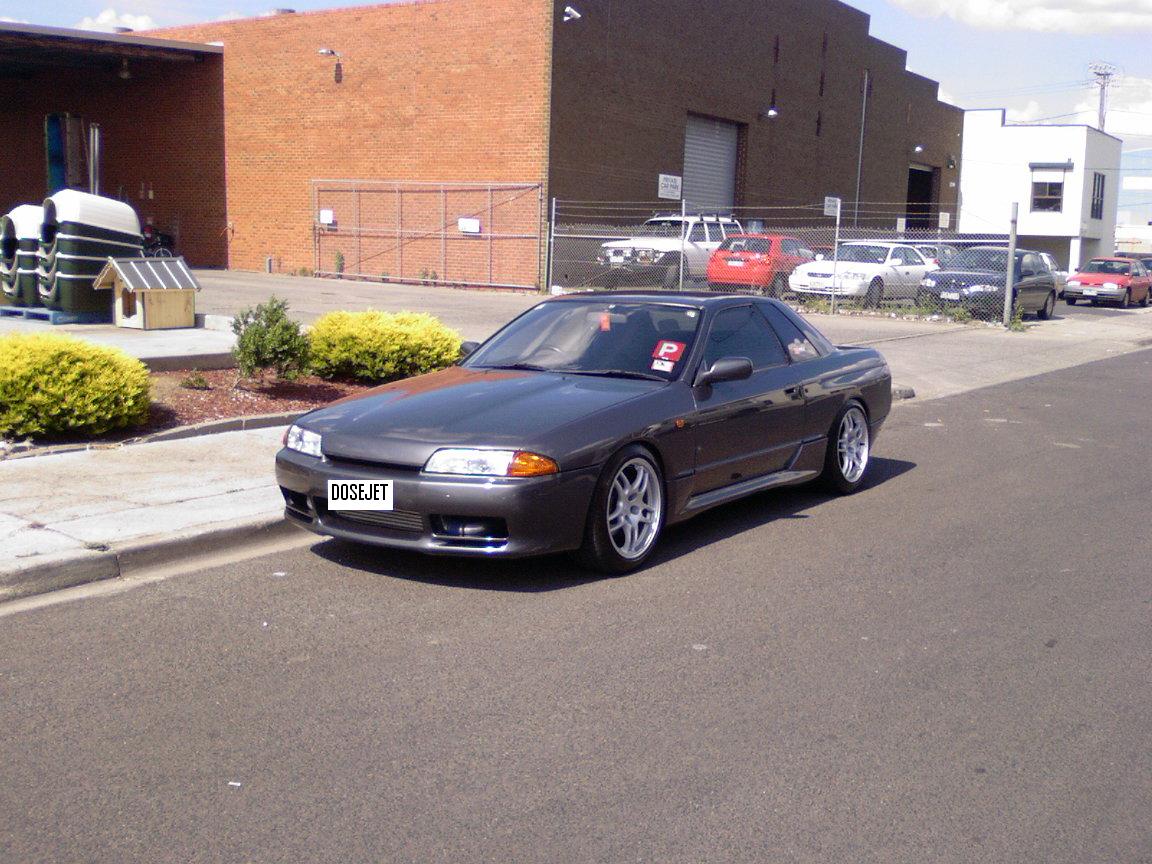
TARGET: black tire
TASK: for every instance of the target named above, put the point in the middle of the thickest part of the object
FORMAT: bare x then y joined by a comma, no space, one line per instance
1071,301
834,478
875,293
1045,312
1095,302
599,551
1144,301
778,287
672,275
1126,300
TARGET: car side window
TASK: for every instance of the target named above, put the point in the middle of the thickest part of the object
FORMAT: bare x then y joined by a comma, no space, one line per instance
1033,263
798,345
696,235
743,332
790,247
909,256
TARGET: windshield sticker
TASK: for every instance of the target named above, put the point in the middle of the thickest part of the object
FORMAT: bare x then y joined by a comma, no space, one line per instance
605,322
663,365
669,351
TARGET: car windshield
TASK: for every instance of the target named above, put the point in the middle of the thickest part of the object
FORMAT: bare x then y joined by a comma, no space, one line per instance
660,228
863,254
990,260
631,339
747,244
1116,268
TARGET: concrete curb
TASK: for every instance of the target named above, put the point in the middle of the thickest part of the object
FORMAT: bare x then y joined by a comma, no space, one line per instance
188,362
69,570
902,391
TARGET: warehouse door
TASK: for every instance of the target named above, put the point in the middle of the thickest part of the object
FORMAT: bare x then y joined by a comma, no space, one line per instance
710,148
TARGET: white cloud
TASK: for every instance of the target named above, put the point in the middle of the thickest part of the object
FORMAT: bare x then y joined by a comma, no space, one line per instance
1027,114
1068,16
1129,114
233,15
7,20
109,19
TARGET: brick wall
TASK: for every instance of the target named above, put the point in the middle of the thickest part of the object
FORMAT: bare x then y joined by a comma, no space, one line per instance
626,74
162,130
431,91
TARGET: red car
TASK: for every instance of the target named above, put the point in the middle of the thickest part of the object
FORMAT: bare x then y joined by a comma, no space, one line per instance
1114,280
761,262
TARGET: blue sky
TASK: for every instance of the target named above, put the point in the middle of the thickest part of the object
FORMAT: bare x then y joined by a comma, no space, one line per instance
1030,56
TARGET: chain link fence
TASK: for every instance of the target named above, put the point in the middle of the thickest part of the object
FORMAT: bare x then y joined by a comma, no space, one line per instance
478,235
879,257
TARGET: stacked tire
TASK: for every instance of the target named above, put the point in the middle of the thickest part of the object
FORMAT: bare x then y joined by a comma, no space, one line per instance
19,244
78,234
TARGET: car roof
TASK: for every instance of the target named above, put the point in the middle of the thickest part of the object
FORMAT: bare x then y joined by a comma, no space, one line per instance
1121,258
763,236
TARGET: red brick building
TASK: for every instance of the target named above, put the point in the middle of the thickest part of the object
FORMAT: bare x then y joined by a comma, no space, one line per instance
478,109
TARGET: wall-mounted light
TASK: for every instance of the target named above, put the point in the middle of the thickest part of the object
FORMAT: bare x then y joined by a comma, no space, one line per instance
570,14
338,69
950,163
125,73
919,148
770,113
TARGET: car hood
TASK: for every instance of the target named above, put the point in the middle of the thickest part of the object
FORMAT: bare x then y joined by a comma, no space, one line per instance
952,279
662,243
1100,278
405,422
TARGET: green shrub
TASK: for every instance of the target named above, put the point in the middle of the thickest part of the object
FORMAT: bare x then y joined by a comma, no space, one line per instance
266,338
52,384
381,346
339,261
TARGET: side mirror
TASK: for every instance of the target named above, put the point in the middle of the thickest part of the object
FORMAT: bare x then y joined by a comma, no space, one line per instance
467,348
819,256
725,369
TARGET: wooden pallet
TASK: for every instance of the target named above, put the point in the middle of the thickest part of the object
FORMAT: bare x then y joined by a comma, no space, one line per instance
55,316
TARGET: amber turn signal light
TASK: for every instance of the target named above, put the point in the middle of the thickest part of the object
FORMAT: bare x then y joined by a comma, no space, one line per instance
526,464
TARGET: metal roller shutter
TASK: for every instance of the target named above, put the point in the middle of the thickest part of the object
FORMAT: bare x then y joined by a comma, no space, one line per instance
710,163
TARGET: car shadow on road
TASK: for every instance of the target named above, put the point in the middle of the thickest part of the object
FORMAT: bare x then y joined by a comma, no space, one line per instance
557,572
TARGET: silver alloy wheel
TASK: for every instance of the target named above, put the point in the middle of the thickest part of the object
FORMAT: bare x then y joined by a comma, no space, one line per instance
635,508
852,444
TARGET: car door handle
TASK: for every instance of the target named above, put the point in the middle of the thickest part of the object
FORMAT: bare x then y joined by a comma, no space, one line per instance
796,392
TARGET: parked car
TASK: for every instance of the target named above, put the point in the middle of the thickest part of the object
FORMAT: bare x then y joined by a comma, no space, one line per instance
1060,276
1118,280
935,253
761,262
589,423
652,257
975,279
865,269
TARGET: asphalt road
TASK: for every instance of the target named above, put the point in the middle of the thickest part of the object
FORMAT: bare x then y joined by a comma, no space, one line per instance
950,666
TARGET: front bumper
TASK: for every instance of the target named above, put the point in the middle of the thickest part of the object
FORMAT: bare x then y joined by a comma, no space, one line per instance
825,288
1079,292
538,515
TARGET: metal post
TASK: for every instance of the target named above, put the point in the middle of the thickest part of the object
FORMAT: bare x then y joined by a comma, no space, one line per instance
836,259
399,234
489,235
1011,275
359,235
683,235
443,234
860,151
551,244
94,158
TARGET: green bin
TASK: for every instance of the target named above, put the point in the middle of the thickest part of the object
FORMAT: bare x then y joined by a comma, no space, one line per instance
19,242
79,233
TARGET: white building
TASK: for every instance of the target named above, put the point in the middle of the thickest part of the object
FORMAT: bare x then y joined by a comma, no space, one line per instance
1063,177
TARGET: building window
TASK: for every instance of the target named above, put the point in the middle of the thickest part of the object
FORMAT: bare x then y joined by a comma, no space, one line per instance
1048,197
1097,195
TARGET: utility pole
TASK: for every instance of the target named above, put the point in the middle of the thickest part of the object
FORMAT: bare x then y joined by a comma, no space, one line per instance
1104,73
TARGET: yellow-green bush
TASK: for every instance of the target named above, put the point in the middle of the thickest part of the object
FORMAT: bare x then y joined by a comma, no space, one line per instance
381,346
52,384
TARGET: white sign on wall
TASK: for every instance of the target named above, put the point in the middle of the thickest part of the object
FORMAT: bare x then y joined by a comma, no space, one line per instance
468,225
670,186
901,225
327,217
945,219
831,206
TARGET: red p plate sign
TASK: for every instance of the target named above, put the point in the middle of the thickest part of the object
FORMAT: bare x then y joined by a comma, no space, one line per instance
670,351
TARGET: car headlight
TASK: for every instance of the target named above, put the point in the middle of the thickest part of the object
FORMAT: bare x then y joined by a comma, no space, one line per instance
928,283
1112,285
982,289
1073,283
490,463
303,441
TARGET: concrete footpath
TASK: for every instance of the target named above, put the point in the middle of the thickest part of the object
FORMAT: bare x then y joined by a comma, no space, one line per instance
73,518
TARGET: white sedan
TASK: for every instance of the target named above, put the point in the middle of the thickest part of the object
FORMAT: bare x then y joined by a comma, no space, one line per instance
864,269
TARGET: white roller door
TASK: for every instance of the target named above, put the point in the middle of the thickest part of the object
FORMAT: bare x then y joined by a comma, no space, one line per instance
710,163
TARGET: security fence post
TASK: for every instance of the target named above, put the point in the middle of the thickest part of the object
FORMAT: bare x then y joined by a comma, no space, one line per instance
683,234
1011,275
551,245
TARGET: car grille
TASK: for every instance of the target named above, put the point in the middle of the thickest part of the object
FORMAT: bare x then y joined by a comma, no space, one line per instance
396,520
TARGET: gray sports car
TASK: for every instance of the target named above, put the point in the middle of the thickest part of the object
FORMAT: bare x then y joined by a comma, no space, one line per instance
589,423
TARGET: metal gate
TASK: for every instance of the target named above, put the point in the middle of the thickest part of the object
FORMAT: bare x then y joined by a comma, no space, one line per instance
710,152
475,234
